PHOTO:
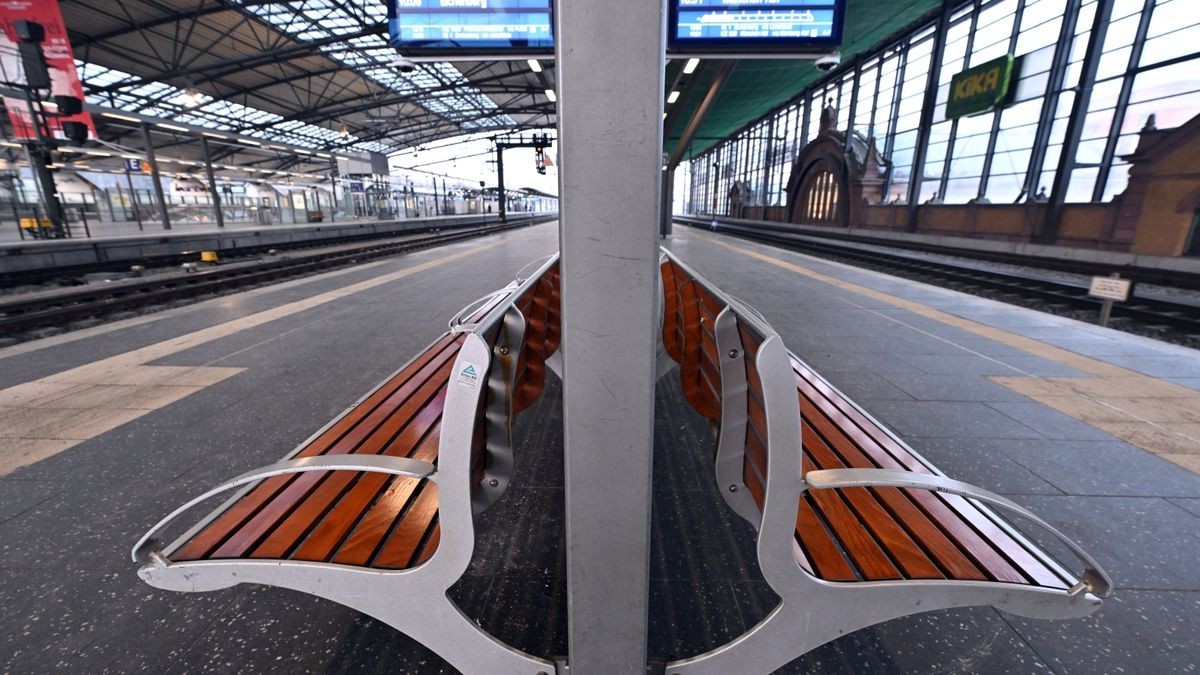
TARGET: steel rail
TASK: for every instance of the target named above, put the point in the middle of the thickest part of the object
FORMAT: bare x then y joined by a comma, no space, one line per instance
1148,311
21,316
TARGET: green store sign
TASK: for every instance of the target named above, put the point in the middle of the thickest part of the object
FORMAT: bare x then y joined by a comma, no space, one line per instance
979,89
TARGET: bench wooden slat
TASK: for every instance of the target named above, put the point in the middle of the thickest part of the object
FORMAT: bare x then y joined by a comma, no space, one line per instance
430,547
404,544
342,437
421,368
285,536
952,561
365,441
368,532
329,534
980,551
888,533
852,536
999,554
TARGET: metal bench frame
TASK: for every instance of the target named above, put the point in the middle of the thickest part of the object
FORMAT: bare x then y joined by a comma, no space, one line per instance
813,611
413,600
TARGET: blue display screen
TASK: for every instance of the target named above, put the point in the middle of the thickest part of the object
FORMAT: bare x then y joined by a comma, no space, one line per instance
748,26
467,26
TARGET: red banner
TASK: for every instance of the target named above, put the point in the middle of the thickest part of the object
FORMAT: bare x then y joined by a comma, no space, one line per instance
64,78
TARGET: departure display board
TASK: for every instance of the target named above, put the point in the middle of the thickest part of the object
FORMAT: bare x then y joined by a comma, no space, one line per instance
471,26
752,26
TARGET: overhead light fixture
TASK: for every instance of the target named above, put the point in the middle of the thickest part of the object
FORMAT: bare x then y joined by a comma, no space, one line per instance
279,148
344,131
219,137
121,117
690,66
551,95
172,127
247,141
673,97
190,98
535,66
302,151
324,156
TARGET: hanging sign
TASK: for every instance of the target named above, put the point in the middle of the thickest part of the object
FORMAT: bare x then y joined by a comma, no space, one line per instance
980,89
64,79
755,27
463,27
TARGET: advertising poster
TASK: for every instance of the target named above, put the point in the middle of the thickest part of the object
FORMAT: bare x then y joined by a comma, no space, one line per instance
61,62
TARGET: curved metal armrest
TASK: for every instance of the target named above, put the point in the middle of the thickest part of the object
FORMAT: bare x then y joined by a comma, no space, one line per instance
1094,578
147,546
534,265
456,321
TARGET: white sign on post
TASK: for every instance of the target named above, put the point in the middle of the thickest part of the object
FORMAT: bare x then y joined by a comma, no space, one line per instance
1110,288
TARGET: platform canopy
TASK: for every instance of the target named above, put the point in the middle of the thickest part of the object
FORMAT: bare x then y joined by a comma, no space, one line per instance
311,73
320,74
755,87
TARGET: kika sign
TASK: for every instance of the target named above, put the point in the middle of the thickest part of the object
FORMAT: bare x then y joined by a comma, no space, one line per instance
979,89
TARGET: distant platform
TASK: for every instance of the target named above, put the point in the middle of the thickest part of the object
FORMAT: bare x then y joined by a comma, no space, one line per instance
33,254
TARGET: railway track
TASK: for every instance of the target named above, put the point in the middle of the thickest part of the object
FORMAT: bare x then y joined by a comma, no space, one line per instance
1147,275
20,316
1149,312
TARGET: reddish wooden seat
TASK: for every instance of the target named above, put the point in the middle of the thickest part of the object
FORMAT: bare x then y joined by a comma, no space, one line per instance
371,519
796,457
354,514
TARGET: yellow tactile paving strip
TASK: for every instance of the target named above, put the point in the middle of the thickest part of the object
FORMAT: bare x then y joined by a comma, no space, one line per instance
41,418
1145,411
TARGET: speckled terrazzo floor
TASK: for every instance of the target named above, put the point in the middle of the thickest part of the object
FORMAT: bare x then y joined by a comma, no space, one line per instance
72,603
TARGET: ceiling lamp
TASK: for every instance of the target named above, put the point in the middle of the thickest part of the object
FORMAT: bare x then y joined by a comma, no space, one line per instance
344,131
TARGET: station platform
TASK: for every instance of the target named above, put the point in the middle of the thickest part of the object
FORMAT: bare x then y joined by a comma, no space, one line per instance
127,244
104,430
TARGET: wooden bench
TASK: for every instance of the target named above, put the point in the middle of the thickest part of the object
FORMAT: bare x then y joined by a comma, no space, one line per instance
376,510
854,527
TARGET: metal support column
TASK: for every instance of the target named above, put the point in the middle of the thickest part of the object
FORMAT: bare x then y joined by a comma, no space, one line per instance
610,88
137,208
668,202
917,174
503,206
158,191
212,182
1083,97
333,202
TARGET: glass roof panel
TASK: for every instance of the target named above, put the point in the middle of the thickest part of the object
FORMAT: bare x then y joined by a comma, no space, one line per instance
437,87
157,99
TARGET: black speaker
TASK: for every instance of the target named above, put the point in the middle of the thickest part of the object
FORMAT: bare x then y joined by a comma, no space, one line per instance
68,105
29,31
75,131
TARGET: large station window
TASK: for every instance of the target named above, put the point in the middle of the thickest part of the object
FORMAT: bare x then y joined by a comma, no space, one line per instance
1146,61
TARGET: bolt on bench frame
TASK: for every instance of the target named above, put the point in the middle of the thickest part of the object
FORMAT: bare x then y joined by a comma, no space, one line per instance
412,600
813,611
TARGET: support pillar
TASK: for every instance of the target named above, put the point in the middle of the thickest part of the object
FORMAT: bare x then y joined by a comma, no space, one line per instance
212,183
503,206
610,89
158,191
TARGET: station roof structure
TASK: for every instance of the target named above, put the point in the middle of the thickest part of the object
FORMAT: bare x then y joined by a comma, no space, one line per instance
318,74
312,73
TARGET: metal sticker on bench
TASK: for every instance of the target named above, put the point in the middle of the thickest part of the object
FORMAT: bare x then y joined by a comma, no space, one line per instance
469,375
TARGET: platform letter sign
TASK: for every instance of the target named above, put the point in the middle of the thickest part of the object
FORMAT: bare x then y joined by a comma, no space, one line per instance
699,27
471,27
978,90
